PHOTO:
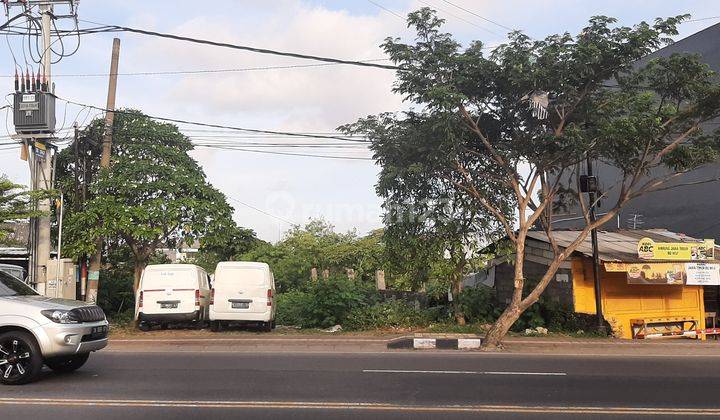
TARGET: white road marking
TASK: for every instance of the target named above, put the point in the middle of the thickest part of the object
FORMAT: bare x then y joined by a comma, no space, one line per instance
441,372
526,373
296,405
464,372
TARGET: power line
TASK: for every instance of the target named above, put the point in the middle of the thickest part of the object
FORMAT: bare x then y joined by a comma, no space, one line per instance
179,72
477,15
240,149
705,18
246,48
262,211
459,17
386,9
227,127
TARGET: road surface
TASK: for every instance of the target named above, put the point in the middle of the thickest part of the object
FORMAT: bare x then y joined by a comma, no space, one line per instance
150,384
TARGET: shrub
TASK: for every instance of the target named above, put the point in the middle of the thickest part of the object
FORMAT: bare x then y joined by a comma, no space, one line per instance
323,303
479,304
390,314
291,307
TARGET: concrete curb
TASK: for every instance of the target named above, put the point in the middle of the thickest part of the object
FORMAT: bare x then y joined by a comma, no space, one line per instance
434,343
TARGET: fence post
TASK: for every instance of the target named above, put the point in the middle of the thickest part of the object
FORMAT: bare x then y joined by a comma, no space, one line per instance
380,279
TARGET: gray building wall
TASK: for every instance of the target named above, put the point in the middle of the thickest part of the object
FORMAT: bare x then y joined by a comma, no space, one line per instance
537,259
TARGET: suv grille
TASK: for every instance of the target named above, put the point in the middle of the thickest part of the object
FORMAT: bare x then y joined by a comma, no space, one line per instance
89,314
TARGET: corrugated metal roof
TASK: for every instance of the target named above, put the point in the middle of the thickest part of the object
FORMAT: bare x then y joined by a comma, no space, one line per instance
619,245
13,251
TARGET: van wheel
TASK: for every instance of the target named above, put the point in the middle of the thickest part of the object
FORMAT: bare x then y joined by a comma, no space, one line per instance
20,358
266,326
67,364
144,327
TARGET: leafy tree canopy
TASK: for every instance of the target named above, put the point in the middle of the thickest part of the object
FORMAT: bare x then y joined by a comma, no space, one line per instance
15,205
154,194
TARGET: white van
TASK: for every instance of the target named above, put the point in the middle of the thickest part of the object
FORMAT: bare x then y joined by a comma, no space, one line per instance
243,292
171,293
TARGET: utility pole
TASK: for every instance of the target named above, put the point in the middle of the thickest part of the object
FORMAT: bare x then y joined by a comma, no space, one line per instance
96,260
596,257
42,174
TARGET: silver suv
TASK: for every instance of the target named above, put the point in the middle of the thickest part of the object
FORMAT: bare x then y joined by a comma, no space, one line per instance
36,330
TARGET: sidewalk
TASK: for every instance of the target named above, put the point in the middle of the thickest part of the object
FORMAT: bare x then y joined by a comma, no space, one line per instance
203,341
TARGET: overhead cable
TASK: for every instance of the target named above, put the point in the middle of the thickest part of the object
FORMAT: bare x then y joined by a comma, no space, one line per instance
246,48
228,127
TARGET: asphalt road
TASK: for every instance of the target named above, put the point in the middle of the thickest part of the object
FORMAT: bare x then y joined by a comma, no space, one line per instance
218,385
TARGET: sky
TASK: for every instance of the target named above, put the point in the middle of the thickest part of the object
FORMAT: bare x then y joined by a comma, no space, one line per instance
272,192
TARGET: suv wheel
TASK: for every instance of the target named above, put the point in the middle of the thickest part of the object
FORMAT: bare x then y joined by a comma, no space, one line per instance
20,358
68,363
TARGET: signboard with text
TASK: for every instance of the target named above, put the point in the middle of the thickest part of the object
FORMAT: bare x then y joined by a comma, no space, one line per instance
702,274
676,251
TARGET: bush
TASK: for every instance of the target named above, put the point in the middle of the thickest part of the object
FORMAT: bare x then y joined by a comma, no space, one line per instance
479,304
390,314
291,307
323,304
115,293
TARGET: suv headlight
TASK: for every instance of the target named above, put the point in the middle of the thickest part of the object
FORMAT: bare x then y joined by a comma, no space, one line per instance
60,316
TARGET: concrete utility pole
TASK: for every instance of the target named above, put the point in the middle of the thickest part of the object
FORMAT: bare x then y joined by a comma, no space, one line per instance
96,260
42,176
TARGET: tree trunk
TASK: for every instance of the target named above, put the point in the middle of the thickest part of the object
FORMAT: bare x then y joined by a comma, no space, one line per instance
457,308
513,311
501,327
139,267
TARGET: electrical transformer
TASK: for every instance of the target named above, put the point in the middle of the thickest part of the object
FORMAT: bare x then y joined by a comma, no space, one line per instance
34,112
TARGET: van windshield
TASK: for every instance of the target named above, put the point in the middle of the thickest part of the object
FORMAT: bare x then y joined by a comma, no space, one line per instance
10,286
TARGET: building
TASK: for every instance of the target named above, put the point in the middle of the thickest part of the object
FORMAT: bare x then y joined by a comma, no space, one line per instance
183,253
629,295
687,209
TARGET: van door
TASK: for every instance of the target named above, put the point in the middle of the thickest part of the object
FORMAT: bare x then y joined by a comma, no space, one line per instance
170,291
241,290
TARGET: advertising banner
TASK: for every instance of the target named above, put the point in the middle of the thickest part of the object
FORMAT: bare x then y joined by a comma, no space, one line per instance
656,273
676,251
702,274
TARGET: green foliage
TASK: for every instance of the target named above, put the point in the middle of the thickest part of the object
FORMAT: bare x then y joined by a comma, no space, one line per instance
318,245
116,294
15,205
479,304
155,193
385,315
323,304
225,245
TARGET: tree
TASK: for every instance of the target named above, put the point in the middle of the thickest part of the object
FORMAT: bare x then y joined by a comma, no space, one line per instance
153,195
445,229
531,110
15,205
227,245
317,245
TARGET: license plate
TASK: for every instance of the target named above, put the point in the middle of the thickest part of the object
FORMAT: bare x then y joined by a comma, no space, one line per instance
168,306
99,332
240,305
